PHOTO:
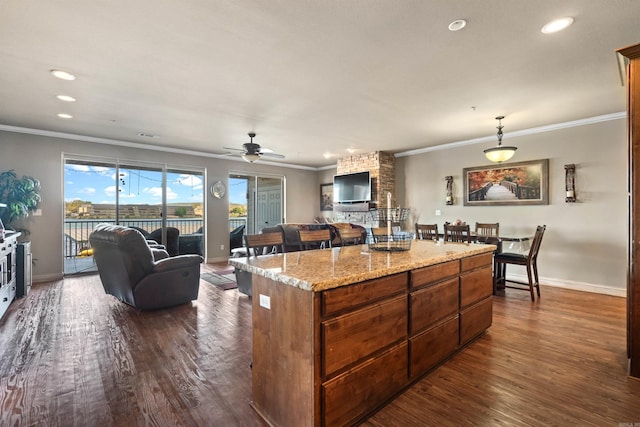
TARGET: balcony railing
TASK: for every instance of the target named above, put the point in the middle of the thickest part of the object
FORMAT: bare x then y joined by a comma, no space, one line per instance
76,231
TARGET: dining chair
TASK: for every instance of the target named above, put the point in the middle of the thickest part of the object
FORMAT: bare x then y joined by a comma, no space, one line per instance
350,236
457,233
484,229
530,261
427,232
318,239
264,243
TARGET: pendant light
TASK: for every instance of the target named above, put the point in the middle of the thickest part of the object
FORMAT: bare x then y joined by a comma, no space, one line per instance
500,154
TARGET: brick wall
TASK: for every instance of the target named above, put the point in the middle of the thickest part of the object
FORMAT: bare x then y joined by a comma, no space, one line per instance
381,166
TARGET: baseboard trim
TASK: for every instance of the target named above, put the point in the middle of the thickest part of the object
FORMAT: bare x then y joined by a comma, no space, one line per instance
574,285
218,259
47,277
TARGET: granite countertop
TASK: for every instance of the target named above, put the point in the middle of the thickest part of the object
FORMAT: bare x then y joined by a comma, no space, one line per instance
322,269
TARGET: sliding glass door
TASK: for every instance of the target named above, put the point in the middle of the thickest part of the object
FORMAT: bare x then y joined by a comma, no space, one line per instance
258,201
145,196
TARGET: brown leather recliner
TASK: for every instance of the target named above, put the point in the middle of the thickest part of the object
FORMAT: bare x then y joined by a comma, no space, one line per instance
128,271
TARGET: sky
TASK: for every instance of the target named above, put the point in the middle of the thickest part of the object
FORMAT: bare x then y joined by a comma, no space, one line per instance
97,184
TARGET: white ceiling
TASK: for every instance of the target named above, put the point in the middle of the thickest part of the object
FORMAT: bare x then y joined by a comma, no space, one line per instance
309,77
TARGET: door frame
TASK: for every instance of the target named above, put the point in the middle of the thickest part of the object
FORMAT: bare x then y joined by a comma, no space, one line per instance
255,175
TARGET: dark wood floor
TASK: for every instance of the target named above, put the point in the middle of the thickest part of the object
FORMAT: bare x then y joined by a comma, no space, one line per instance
71,355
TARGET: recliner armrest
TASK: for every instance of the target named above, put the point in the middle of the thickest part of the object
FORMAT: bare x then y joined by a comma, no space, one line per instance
176,262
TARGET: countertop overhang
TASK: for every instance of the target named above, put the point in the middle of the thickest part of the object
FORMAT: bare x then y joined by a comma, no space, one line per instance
321,269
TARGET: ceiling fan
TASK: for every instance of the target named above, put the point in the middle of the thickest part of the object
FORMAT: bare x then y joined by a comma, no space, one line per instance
252,151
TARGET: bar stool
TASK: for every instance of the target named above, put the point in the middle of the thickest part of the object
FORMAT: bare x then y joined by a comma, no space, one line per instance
530,261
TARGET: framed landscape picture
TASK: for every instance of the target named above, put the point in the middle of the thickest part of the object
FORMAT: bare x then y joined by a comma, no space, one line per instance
521,183
326,197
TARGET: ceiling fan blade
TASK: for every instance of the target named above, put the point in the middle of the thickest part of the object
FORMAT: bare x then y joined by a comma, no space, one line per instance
273,155
234,149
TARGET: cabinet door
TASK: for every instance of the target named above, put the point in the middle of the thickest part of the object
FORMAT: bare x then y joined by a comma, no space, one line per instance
349,338
357,392
475,285
475,319
431,347
361,294
432,304
434,273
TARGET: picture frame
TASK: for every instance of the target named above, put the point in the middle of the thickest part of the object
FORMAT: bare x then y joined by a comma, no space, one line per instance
520,183
326,197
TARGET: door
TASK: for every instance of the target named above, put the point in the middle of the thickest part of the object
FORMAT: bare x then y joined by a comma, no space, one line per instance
149,197
260,199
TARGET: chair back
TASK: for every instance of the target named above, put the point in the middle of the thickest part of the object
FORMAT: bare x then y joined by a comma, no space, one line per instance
537,240
172,243
484,229
311,238
350,236
262,241
123,258
457,233
427,231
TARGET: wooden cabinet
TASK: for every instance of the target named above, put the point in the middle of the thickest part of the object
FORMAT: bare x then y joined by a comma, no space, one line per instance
476,289
332,357
8,271
632,53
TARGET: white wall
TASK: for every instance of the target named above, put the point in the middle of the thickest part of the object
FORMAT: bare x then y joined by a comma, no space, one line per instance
585,245
41,157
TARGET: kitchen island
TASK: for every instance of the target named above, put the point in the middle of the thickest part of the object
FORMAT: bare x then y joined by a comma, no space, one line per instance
338,333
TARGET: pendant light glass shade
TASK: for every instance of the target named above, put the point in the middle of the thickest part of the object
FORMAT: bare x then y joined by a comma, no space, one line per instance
500,154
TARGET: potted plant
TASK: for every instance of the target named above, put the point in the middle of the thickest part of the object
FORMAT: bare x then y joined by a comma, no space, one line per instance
21,196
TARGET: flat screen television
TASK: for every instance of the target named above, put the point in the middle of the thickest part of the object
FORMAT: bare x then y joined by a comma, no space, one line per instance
352,187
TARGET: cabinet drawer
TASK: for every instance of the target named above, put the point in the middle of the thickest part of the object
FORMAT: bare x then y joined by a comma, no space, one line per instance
433,303
353,296
434,273
475,285
432,347
475,319
353,336
476,261
352,395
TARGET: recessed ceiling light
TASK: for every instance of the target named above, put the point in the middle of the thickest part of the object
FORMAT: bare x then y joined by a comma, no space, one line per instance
457,25
351,150
326,155
63,75
66,98
557,25
65,116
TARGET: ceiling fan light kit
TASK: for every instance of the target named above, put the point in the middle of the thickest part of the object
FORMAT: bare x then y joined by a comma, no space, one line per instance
252,152
500,153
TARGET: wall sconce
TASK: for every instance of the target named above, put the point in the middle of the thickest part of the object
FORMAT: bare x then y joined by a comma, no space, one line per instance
570,183
449,180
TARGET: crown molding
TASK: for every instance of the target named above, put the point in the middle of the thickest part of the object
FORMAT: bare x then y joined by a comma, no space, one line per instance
129,144
447,146
523,132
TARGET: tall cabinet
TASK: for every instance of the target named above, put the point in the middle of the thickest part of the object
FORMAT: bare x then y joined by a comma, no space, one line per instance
632,53
8,247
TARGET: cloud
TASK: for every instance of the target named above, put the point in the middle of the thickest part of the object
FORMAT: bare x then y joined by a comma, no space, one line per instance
78,168
157,193
102,170
190,180
110,191
87,190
